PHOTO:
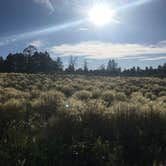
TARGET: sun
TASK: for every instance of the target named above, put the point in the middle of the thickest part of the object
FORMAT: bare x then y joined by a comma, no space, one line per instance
101,14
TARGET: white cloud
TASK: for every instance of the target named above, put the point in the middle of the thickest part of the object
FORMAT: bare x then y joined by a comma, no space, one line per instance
7,42
83,29
46,3
155,58
36,43
103,50
141,57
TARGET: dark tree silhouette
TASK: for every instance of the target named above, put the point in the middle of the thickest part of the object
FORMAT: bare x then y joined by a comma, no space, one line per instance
30,50
85,66
33,61
2,65
30,61
112,68
59,64
72,63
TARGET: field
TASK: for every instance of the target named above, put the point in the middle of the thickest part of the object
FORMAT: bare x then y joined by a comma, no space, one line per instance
82,120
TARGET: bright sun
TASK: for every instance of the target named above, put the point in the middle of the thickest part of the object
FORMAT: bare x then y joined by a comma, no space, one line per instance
101,15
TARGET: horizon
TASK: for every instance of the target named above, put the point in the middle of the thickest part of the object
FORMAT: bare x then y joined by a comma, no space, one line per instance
132,33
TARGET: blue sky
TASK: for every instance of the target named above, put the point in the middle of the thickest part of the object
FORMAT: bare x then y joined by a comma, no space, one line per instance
137,37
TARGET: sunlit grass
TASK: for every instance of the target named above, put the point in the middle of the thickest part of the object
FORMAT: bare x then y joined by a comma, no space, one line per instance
51,119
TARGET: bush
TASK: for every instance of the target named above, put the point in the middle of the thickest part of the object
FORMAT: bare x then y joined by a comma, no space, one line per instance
162,100
50,101
149,95
137,97
120,96
162,93
108,97
68,90
12,93
96,94
14,105
75,106
83,95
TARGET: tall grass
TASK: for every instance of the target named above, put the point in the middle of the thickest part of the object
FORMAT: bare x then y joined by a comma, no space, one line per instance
82,120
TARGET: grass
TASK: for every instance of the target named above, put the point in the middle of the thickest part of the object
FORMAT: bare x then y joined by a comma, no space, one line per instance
82,120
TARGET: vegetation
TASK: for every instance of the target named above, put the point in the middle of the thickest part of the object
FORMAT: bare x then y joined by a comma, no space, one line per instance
81,120
30,61
33,61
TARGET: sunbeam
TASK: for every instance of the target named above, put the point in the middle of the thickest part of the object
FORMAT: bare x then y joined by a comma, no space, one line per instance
94,16
45,31
134,4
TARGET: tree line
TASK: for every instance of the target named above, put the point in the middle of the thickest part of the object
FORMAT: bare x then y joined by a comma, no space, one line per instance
33,61
30,61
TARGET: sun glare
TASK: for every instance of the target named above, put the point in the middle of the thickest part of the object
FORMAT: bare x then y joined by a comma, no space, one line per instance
101,15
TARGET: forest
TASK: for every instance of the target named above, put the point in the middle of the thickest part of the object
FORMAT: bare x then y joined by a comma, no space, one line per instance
33,61
51,115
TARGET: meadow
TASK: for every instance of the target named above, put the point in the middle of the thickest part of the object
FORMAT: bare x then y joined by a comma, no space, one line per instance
80,120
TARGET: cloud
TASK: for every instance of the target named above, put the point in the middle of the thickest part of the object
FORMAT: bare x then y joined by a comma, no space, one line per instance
46,3
83,29
36,43
104,50
7,42
155,58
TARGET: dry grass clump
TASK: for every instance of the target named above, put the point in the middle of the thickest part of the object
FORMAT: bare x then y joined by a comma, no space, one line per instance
12,93
162,93
74,106
14,105
68,90
83,95
138,97
162,100
150,95
96,93
108,96
120,96
49,101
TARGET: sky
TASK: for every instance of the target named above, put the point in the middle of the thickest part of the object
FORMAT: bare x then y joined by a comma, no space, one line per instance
136,36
